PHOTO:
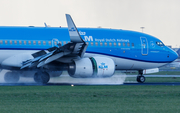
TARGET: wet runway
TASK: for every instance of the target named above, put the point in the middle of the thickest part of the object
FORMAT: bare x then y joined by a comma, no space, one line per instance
66,80
76,84
166,84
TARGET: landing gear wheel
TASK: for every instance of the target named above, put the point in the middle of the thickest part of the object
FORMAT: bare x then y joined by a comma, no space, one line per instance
141,79
11,77
41,77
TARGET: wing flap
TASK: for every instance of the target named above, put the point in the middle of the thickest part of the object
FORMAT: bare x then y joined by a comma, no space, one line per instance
46,56
54,57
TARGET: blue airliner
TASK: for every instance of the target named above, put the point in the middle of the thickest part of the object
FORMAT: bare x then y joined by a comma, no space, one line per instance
83,52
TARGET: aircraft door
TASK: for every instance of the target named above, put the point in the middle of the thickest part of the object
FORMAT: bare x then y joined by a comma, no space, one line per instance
144,46
55,42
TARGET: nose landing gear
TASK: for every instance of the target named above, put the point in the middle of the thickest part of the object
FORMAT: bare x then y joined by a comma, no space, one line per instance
140,77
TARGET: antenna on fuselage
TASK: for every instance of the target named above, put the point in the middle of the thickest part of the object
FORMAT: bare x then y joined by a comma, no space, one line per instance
142,28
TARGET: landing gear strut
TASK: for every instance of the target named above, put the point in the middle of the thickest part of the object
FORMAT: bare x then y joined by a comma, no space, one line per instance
41,77
140,77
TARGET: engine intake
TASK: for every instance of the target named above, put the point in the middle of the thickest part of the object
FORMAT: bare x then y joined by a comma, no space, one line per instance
92,67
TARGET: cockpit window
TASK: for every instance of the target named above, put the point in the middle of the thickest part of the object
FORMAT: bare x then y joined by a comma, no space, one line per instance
159,43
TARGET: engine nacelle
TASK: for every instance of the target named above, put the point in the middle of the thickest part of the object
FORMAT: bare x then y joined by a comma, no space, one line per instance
92,67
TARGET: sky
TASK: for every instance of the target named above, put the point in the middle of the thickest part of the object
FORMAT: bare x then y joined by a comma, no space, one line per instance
161,18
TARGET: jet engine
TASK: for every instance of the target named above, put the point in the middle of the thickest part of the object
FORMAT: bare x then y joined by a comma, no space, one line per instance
92,67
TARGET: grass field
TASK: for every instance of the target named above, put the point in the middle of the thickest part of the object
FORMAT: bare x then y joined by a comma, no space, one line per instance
90,99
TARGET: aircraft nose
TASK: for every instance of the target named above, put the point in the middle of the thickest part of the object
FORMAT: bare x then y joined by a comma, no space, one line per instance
174,55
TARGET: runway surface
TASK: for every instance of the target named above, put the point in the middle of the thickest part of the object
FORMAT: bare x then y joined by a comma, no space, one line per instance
155,75
64,79
71,84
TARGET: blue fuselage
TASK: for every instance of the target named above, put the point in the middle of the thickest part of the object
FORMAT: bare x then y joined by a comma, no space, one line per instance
116,43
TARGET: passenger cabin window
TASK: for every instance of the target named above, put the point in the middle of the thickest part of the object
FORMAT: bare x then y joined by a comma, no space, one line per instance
96,44
119,44
1,42
87,43
132,44
101,43
64,42
5,41
91,43
15,42
49,42
34,42
124,44
39,42
110,44
24,42
29,42
105,43
44,42
20,42
128,44
10,41
55,43
160,44
114,43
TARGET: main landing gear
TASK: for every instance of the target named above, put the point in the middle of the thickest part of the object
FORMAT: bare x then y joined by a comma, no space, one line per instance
140,77
12,77
41,77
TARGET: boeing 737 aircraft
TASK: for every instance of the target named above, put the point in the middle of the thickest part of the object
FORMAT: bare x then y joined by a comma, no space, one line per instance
83,52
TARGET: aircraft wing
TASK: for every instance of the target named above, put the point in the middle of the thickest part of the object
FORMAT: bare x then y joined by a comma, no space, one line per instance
76,47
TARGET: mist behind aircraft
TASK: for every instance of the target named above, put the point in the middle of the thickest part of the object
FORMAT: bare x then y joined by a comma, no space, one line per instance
117,79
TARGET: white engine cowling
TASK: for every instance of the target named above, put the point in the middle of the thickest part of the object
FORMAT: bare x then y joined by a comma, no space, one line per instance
92,67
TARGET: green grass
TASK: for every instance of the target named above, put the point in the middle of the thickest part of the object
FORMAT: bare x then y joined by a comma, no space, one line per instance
90,99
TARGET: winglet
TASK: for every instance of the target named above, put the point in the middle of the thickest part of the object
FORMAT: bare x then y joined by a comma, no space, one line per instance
73,32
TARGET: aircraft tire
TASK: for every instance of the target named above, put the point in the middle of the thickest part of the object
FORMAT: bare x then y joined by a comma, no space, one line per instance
141,79
41,77
11,77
